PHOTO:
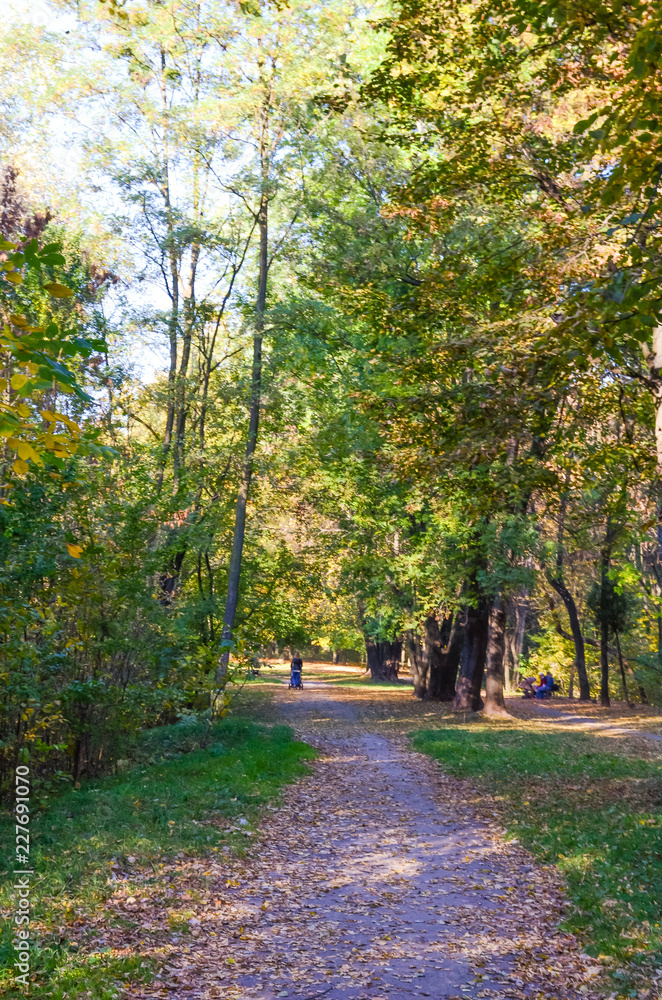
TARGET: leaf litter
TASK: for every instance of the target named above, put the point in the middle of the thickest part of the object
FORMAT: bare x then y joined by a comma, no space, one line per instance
376,877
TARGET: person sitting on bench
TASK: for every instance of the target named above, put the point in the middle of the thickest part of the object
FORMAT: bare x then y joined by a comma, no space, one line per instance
547,686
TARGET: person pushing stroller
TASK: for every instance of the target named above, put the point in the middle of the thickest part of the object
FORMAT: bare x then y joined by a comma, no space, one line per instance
296,668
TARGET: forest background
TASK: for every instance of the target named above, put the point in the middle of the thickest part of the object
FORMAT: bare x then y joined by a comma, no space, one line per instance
327,327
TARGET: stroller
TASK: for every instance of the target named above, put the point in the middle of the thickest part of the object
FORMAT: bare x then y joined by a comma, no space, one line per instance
295,673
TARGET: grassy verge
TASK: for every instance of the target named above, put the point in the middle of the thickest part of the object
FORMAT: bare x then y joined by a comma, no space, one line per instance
574,802
199,790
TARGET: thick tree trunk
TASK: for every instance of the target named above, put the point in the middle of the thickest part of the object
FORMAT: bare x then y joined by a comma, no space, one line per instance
434,637
383,659
420,663
234,571
435,657
467,693
426,656
444,673
496,647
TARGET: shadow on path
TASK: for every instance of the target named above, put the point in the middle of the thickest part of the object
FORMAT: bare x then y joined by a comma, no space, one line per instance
376,879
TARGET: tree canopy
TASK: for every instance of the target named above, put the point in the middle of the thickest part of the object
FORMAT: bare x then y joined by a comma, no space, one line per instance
328,329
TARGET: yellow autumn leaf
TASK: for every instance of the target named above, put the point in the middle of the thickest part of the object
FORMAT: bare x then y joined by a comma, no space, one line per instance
33,368
75,551
26,451
18,320
58,291
20,467
54,416
15,277
18,380
23,410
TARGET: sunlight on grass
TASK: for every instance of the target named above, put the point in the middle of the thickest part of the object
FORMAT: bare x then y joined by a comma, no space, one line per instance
575,802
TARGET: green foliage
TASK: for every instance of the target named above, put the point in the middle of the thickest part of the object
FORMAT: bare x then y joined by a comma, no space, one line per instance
613,606
36,356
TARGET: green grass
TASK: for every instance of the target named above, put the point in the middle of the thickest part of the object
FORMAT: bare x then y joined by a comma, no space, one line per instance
574,802
189,774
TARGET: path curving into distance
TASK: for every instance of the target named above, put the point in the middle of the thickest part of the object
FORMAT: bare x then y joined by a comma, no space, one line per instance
374,879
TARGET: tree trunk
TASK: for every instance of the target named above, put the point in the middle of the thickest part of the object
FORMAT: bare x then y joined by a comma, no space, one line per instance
515,638
383,659
392,658
577,638
604,618
604,665
467,693
181,406
168,580
234,571
173,291
496,647
435,657
189,326
643,697
444,672
435,637
620,663
420,663
570,606
654,360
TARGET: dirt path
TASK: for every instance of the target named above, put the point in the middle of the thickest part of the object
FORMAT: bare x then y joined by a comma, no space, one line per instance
606,727
375,879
